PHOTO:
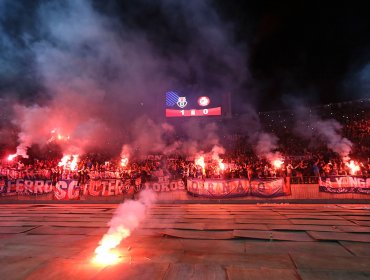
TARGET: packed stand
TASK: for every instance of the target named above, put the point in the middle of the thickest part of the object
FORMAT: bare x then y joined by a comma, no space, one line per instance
304,161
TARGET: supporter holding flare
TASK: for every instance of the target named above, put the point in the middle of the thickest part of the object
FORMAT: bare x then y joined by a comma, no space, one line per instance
69,162
125,155
277,163
199,161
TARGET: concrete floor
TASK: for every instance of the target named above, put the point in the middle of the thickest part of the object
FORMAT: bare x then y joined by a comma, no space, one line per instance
189,241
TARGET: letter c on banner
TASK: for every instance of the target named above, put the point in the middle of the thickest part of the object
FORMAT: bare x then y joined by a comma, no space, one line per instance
73,190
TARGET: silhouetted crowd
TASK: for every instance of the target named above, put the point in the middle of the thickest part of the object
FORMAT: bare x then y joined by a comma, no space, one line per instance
304,160
301,169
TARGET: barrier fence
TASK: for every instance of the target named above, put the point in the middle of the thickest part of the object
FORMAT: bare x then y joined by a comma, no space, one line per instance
333,187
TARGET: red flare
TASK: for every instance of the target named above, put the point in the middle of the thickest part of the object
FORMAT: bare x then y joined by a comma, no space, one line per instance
277,163
353,167
11,157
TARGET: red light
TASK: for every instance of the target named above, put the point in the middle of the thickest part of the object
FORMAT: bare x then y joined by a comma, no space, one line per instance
194,113
204,101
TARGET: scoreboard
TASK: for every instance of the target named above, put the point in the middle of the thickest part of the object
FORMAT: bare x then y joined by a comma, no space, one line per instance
191,105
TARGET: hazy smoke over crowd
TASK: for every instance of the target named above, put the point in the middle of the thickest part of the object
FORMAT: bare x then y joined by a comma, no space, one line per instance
264,144
101,83
310,126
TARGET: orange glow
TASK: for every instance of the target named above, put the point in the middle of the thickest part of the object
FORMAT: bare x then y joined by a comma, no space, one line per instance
200,161
58,136
221,165
106,258
11,157
69,161
74,162
63,162
104,254
124,161
277,163
353,167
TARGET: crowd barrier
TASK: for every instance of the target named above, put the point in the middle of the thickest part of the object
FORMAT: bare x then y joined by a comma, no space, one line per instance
219,188
115,190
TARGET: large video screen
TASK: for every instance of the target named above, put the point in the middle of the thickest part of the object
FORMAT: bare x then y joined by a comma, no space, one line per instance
180,104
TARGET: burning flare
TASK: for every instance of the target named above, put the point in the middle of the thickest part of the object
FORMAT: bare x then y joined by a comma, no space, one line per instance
69,161
11,157
124,161
104,254
200,161
221,165
215,153
64,160
277,163
125,155
353,167
74,162
126,218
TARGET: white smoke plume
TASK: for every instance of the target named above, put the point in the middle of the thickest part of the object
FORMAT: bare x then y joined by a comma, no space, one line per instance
125,151
150,137
330,132
217,151
311,126
266,146
130,213
199,137
126,219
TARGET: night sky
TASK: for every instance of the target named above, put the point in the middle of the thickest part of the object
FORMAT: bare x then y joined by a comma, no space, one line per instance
314,50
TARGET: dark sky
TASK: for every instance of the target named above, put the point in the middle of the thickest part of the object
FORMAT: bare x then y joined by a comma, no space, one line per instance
311,49
307,47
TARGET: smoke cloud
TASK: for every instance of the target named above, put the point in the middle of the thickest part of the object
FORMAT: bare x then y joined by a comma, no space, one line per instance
130,213
330,132
310,126
127,218
100,82
264,144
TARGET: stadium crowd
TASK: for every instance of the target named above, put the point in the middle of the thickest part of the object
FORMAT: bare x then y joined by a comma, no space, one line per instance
304,161
300,169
